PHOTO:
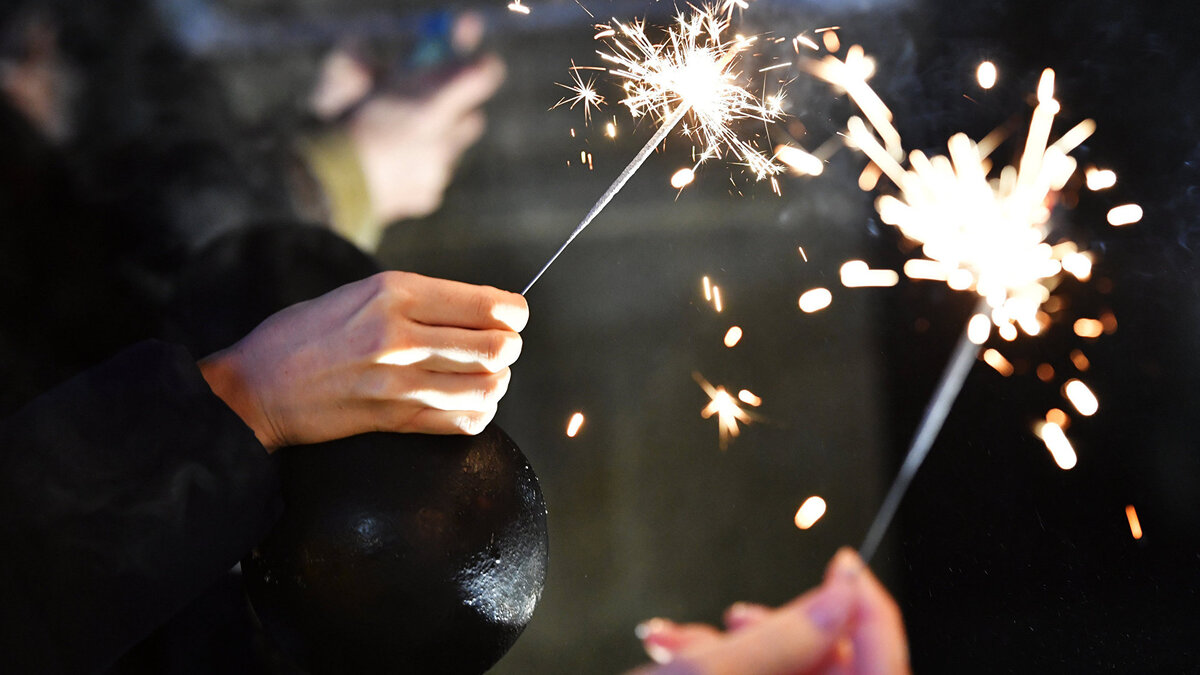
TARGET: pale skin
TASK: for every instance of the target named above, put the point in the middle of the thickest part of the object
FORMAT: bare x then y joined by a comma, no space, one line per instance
395,352
847,625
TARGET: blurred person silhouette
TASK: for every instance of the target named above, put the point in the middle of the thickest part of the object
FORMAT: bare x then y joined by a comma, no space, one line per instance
134,475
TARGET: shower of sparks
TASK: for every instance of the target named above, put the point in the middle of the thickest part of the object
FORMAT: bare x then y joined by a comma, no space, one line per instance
574,424
725,407
693,70
733,336
815,300
1135,525
987,235
691,73
810,512
584,93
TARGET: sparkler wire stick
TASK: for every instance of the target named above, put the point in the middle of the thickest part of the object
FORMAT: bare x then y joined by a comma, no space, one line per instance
948,387
630,169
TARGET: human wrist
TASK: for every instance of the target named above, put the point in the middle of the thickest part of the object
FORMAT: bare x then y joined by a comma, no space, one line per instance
226,379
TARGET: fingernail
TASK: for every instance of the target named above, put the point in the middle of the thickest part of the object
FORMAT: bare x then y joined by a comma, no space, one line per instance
846,564
649,627
830,609
647,631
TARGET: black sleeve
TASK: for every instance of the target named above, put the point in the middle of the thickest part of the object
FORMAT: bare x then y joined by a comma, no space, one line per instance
124,493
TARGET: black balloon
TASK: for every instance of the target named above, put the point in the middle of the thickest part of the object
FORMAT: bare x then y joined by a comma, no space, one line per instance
402,553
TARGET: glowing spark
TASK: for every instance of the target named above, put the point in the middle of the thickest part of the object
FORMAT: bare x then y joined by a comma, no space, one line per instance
746,396
806,41
516,6
574,424
978,329
610,129
707,289
1045,372
986,75
733,336
1081,397
801,163
1056,416
815,300
584,94
1135,525
803,255
1108,322
869,178
830,38
682,178
810,512
996,360
725,407
1126,214
1057,443
856,274
716,293
1078,265
1100,179
1080,360
1089,328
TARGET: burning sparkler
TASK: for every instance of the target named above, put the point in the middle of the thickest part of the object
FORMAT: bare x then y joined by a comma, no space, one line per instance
692,71
979,233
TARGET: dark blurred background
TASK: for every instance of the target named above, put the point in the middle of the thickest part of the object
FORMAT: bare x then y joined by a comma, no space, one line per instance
1000,560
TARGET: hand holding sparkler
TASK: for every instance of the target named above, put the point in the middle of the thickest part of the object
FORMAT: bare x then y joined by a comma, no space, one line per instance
393,352
808,635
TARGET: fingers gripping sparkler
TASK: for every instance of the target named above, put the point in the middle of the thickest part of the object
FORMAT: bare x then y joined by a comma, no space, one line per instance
692,71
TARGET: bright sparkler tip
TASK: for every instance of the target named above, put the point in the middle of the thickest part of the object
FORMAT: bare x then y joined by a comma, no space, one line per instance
693,68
